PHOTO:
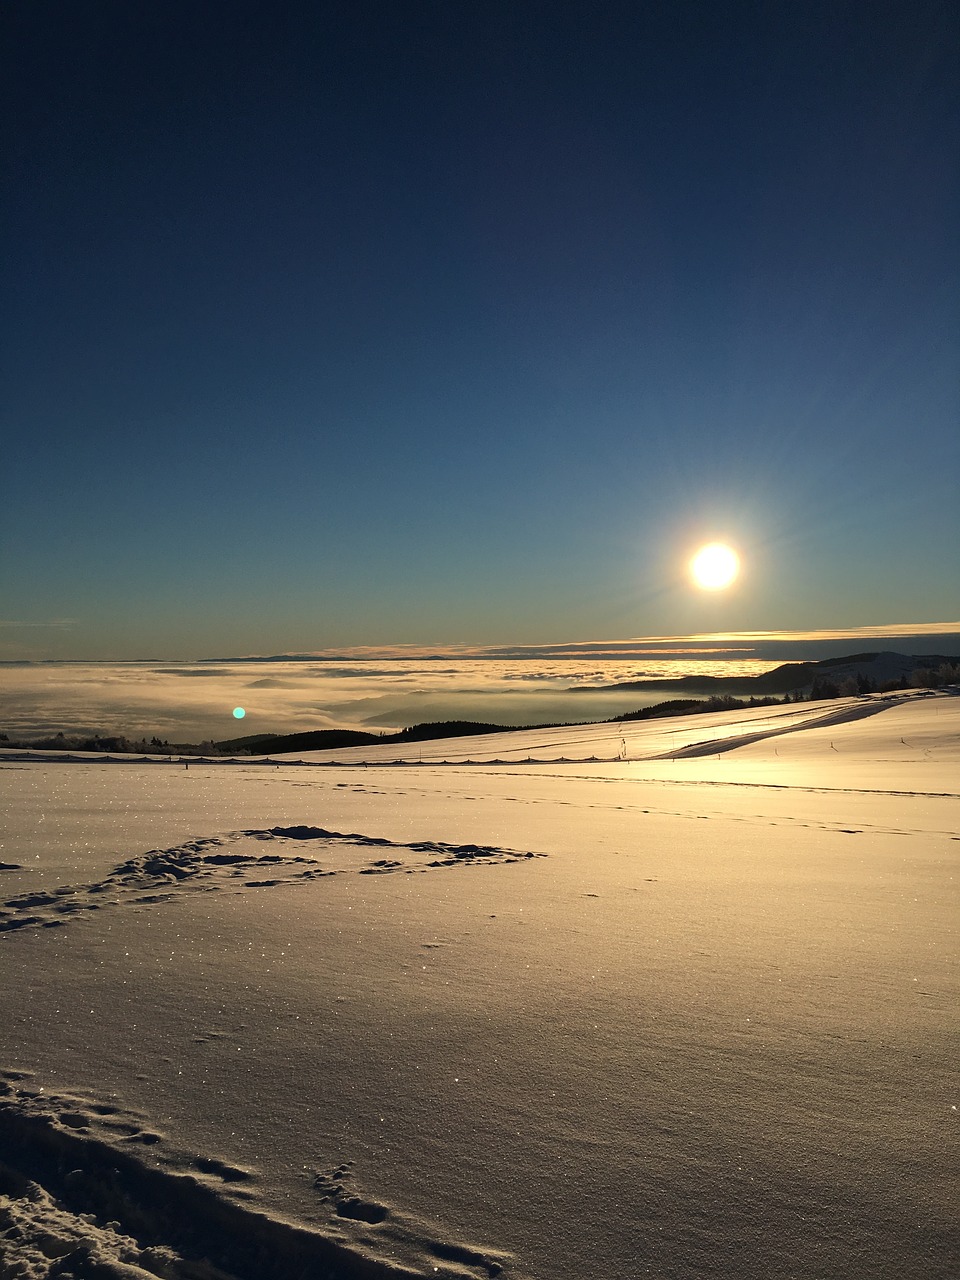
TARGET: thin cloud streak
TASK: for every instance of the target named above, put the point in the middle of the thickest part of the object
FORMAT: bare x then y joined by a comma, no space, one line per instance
718,645
891,630
23,624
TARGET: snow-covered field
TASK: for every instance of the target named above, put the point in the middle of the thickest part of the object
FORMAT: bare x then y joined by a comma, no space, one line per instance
675,998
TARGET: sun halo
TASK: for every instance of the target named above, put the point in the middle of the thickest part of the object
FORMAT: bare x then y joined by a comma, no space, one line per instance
714,567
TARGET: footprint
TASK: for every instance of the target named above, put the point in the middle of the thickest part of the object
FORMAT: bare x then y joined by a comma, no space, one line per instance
74,1119
226,1172
344,1204
360,1210
380,867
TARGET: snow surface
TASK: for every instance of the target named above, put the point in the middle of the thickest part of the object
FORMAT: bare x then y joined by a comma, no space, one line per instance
687,1013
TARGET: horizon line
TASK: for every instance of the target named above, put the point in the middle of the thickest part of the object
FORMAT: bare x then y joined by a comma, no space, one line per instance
695,644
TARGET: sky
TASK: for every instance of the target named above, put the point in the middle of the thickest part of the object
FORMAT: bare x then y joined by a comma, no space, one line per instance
368,324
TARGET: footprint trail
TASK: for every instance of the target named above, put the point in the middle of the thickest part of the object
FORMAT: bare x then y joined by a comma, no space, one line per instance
235,860
89,1190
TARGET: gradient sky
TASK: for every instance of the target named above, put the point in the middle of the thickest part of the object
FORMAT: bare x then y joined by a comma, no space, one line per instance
350,323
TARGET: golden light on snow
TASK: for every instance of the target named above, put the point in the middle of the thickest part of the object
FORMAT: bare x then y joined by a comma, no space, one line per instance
715,566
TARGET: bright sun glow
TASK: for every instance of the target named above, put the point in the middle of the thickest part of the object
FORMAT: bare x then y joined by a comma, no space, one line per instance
715,566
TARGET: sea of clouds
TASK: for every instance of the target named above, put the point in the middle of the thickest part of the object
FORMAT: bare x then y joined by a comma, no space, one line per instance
193,702
385,690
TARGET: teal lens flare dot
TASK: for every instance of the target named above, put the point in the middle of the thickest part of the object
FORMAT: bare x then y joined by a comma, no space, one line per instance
239,712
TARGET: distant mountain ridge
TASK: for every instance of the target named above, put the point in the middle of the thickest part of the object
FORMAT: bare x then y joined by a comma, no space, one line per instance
793,677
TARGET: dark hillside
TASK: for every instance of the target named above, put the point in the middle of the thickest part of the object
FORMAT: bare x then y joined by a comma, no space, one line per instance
794,676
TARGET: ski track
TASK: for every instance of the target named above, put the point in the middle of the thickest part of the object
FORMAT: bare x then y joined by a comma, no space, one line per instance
716,746
89,1191
230,861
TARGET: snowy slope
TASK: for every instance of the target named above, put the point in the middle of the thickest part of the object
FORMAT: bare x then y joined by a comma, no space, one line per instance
686,1014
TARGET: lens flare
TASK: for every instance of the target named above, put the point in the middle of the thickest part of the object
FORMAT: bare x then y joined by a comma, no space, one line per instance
715,566
239,712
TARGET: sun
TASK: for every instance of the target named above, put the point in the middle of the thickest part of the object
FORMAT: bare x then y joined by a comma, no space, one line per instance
715,566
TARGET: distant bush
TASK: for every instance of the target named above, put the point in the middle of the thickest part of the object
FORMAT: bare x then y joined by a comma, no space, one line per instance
894,686
928,678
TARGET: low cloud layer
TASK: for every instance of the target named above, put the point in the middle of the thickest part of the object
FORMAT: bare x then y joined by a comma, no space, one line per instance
195,701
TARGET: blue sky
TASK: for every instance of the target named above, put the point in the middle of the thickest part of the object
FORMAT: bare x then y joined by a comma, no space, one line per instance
367,324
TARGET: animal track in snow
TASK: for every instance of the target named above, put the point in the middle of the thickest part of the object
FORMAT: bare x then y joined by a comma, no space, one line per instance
87,1189
235,860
